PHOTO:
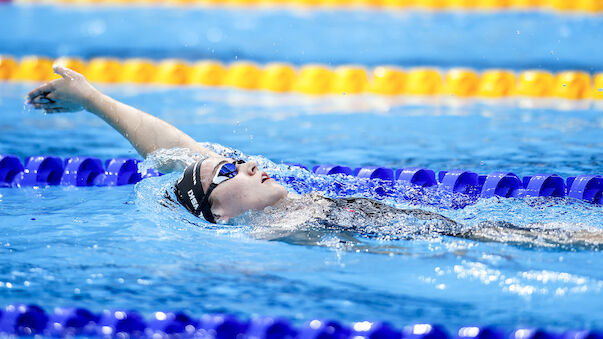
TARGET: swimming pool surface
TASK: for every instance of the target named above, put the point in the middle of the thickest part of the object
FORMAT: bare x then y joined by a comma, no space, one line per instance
117,247
479,39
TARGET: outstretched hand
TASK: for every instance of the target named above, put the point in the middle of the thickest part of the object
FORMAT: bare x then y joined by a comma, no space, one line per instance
72,92
68,94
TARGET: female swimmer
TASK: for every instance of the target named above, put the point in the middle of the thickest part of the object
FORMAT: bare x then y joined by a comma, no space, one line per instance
220,188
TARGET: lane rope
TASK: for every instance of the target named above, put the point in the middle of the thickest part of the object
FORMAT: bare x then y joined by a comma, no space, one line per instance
317,79
562,6
32,320
73,171
90,171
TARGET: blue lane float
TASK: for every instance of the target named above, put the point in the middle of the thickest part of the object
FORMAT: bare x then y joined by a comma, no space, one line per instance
326,329
23,320
544,185
73,171
586,187
221,326
374,172
70,322
424,331
89,171
459,181
29,320
501,184
172,324
119,171
474,332
495,184
329,169
81,171
416,176
40,170
116,323
376,330
10,166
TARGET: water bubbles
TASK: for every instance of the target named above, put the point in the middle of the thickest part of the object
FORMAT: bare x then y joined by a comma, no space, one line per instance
27,107
397,211
169,160
144,282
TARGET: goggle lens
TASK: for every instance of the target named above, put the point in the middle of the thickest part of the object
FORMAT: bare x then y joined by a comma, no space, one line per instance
229,169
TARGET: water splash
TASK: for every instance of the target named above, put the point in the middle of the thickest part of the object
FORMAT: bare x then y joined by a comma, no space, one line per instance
169,160
157,202
402,213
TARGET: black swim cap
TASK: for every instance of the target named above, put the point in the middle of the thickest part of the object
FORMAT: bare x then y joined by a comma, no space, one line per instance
189,192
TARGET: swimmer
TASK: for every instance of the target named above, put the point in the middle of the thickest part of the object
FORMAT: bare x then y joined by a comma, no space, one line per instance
215,187
218,189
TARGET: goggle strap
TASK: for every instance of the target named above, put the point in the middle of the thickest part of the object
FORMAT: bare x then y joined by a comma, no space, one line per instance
205,208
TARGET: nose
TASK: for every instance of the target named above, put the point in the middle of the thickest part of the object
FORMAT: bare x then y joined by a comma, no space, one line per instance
249,167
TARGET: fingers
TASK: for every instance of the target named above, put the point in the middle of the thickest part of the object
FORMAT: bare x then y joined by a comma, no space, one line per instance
42,100
41,91
49,108
42,104
52,96
65,72
45,102
55,110
36,105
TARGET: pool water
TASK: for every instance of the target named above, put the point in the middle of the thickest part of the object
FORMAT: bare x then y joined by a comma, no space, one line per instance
117,247
478,39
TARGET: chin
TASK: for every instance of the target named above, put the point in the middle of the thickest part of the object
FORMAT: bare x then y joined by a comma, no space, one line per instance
277,195
282,191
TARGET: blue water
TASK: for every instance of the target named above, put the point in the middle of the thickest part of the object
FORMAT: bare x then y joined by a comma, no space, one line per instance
515,40
117,247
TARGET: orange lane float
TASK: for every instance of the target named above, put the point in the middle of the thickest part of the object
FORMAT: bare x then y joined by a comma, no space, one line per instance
317,79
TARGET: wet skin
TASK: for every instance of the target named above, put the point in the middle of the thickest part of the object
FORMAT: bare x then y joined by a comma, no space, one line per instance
250,189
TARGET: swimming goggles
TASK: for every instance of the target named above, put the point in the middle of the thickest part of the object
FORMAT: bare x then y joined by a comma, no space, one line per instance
189,189
226,170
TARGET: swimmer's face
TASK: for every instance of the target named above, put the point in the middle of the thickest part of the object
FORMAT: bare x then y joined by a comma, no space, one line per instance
250,189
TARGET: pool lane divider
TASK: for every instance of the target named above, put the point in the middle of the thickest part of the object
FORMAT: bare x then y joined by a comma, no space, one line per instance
89,171
317,79
32,320
73,171
500,184
562,6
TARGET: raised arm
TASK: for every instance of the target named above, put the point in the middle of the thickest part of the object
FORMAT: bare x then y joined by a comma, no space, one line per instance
145,132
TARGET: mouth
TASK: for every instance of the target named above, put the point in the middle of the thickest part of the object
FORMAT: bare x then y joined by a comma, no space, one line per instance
265,177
